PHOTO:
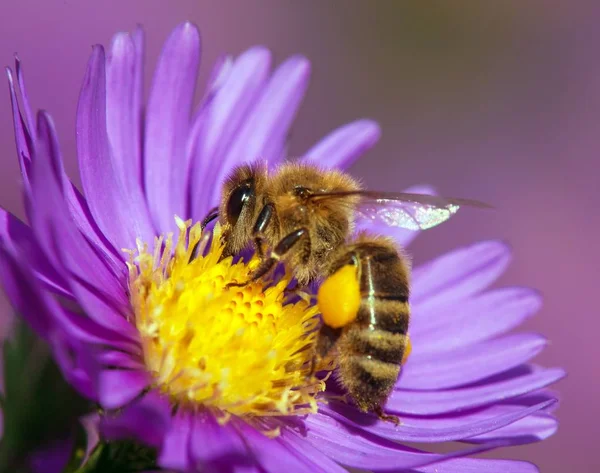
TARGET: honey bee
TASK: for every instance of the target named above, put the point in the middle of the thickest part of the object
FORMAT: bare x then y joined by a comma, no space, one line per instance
305,217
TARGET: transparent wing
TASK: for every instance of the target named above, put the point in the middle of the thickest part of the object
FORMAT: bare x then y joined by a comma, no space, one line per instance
403,210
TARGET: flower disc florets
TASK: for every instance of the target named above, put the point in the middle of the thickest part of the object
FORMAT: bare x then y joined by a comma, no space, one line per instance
238,350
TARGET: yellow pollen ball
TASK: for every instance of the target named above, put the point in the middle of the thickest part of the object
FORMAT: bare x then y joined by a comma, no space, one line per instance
240,351
339,297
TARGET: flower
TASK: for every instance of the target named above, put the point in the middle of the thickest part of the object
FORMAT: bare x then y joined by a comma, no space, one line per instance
100,307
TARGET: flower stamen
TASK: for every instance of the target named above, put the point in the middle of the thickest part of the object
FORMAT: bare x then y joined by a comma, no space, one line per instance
241,351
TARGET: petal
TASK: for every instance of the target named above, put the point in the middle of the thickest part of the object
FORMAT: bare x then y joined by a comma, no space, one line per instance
318,460
459,274
168,125
217,447
222,120
106,193
27,110
479,465
23,292
531,429
118,387
471,363
44,315
123,107
265,129
115,359
219,74
275,456
18,237
124,123
174,453
345,145
480,318
349,447
461,426
23,138
22,285
101,295
147,420
439,402
75,362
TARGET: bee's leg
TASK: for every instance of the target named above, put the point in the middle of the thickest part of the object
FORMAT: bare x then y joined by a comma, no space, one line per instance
212,214
386,417
284,245
326,341
263,220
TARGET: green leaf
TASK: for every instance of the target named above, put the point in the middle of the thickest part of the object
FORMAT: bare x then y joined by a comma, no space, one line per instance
39,406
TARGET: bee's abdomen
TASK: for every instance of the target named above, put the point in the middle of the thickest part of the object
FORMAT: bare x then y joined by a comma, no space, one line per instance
374,344
377,344
368,381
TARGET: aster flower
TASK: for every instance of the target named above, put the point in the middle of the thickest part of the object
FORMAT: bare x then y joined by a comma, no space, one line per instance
216,378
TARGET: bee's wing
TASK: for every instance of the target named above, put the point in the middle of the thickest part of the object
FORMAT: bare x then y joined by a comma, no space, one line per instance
403,210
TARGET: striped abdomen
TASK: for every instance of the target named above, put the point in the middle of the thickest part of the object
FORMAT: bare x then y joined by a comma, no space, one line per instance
373,346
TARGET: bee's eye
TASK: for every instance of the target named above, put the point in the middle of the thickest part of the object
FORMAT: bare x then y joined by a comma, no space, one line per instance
237,200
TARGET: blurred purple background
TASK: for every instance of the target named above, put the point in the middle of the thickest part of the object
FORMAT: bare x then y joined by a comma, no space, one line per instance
498,101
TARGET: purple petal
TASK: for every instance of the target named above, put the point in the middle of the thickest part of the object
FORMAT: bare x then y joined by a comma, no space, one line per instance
75,362
18,237
470,363
119,359
275,456
318,460
95,287
175,450
123,107
461,426
439,402
23,293
27,110
459,274
265,129
345,145
479,465
106,193
217,447
75,323
168,125
221,121
23,136
123,124
531,429
90,423
26,295
480,318
146,420
44,315
219,74
347,446
118,387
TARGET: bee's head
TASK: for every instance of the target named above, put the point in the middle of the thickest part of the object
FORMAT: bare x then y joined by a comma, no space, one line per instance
238,206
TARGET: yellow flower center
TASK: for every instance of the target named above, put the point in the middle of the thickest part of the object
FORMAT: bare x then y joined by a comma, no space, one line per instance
240,351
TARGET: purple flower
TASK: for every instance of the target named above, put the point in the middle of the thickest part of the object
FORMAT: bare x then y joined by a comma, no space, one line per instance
101,308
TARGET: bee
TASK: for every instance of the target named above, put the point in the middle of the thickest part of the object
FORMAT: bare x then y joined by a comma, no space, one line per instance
305,217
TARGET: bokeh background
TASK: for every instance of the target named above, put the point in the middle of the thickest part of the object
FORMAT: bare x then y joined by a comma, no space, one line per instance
498,101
